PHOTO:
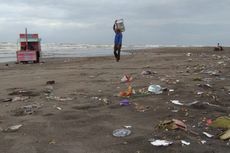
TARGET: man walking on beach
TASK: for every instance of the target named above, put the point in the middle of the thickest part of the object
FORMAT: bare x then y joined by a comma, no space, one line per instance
117,41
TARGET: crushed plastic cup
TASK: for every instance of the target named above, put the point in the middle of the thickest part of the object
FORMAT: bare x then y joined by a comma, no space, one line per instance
121,132
156,89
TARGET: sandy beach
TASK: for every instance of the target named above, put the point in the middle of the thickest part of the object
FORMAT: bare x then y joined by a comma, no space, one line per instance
78,109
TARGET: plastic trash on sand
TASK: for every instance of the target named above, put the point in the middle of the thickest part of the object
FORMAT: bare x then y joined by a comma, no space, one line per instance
226,135
146,72
126,78
161,143
176,102
126,93
141,108
124,102
156,89
121,132
221,122
59,98
183,142
173,124
20,98
208,135
13,128
128,126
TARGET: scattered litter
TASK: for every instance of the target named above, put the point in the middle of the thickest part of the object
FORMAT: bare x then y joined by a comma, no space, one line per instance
52,141
124,102
207,103
59,98
50,82
173,124
208,122
176,102
199,93
208,80
26,110
161,142
48,89
128,127
208,135
59,108
192,103
23,98
13,128
169,80
220,62
22,92
94,98
147,72
126,93
203,142
141,108
121,132
226,135
29,109
175,111
156,89
213,73
188,54
140,93
105,100
171,90
205,86
221,122
126,78
183,142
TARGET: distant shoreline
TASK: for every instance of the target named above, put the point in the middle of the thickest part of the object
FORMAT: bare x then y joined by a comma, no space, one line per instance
126,51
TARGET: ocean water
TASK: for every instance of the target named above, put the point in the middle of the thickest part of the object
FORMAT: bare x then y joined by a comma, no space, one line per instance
50,50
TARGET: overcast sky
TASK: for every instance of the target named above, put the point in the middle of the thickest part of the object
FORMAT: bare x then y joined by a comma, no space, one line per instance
166,22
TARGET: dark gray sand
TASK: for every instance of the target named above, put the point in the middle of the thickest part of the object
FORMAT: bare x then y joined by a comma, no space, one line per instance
79,109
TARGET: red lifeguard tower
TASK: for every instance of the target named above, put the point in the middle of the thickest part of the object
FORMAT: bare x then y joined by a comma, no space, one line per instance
30,48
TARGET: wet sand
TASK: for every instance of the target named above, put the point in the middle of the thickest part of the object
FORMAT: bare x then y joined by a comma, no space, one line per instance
80,111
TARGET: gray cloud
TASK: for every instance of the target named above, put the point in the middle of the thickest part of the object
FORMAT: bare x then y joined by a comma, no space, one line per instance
89,21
